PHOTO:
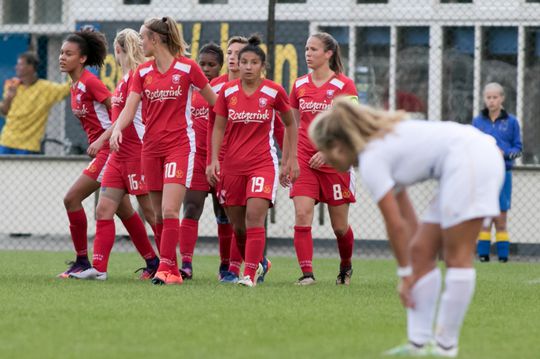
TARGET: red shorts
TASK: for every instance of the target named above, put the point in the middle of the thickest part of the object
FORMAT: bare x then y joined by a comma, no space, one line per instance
125,175
96,167
333,189
176,167
234,190
199,181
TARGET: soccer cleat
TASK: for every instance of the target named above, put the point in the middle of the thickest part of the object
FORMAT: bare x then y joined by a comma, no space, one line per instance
149,271
344,277
223,271
186,273
230,278
75,267
166,278
503,260
247,282
483,259
306,280
89,274
437,350
266,266
410,350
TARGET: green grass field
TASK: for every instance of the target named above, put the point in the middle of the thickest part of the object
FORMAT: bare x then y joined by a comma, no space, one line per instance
44,317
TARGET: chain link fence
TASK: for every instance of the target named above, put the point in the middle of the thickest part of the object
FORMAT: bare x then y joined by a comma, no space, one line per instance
429,57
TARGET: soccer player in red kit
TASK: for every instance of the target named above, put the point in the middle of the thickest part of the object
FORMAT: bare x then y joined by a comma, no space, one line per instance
164,85
123,174
90,103
211,61
318,182
248,181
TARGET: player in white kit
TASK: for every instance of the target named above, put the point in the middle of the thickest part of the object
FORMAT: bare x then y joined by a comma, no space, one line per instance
394,152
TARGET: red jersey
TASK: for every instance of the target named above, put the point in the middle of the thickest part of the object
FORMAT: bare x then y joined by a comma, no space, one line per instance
132,135
310,100
87,97
166,99
217,85
250,142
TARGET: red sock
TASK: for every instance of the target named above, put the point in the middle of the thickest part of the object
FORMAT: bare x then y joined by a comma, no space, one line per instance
103,243
303,244
139,237
255,238
225,234
78,227
157,228
235,260
189,230
345,246
169,241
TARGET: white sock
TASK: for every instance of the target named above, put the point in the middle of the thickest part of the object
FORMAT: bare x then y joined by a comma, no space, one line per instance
425,294
457,295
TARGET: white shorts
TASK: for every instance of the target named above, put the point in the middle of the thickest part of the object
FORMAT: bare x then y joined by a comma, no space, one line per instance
469,186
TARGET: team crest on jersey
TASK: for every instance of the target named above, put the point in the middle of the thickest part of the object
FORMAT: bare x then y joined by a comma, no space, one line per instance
233,101
330,93
176,79
263,101
267,188
346,194
301,92
147,80
179,174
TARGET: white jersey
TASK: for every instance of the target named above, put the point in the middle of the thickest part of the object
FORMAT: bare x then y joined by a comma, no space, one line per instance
413,152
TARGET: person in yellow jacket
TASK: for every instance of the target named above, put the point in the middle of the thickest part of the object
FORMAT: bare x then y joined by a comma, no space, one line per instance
26,104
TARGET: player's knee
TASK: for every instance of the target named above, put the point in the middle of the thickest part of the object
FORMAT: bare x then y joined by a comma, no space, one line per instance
254,219
192,211
104,211
71,200
341,229
304,216
170,212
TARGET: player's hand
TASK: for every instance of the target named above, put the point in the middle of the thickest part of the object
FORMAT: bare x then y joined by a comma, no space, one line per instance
94,148
317,160
404,289
284,179
115,140
213,172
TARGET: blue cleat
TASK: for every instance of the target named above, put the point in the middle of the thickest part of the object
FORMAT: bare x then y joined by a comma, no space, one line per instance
266,265
230,278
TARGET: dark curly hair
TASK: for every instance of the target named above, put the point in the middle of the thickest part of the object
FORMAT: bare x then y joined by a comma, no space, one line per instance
92,44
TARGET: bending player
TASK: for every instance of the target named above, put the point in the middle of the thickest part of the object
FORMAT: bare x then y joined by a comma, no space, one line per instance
394,153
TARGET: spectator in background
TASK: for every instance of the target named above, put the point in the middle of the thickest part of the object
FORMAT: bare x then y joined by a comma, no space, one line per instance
496,122
26,104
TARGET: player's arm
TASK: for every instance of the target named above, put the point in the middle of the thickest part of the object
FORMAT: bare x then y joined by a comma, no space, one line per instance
397,227
124,119
213,170
407,212
208,94
291,170
516,148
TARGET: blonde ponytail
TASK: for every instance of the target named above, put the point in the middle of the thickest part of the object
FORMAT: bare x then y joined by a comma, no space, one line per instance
129,41
170,35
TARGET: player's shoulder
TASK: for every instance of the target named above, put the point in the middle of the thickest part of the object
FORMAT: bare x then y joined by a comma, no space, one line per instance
218,82
271,88
301,81
341,81
145,68
184,64
231,87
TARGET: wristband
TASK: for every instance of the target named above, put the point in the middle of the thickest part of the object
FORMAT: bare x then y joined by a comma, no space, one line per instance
404,271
